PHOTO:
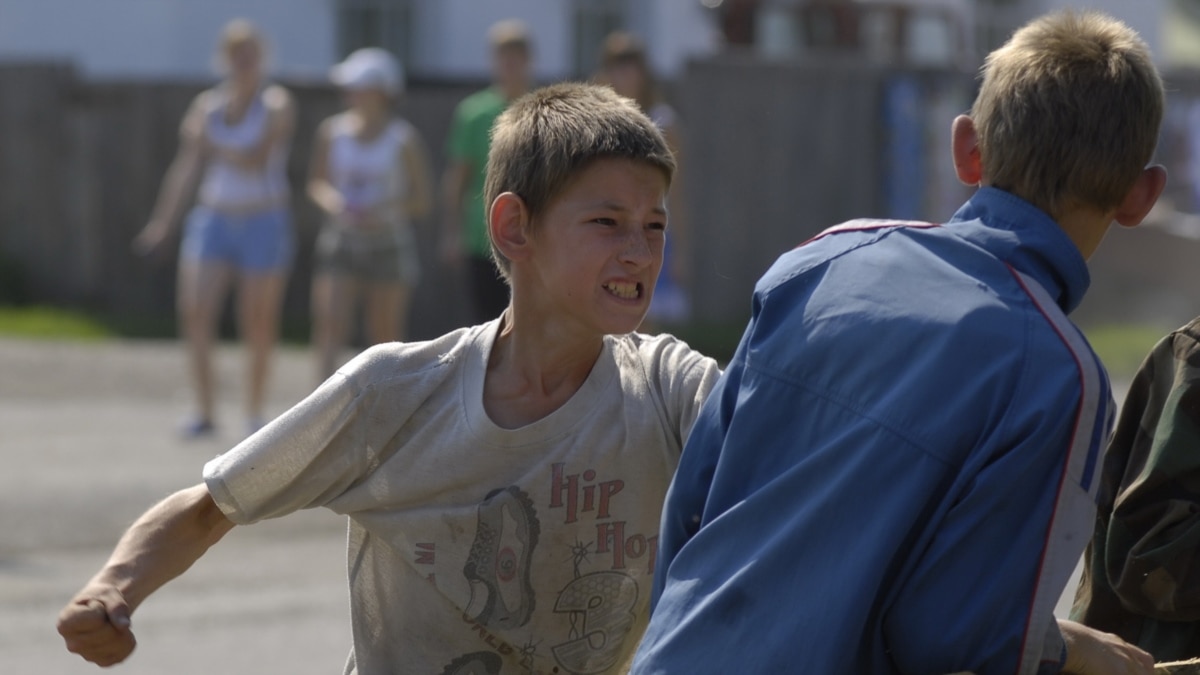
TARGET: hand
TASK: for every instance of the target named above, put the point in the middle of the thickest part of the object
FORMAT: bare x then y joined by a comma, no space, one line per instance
351,219
367,220
96,625
151,240
1092,652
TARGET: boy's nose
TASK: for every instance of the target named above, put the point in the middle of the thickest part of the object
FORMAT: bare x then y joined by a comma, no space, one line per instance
637,250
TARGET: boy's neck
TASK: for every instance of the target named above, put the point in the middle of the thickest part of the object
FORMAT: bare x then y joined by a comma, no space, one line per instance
514,89
534,369
1085,227
370,121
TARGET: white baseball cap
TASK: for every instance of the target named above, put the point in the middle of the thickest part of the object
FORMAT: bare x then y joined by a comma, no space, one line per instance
369,68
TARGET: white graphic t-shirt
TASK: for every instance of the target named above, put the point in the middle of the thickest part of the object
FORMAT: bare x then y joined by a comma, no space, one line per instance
475,549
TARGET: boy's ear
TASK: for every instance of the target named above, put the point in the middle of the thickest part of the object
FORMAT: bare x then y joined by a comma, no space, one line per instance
964,147
1141,198
508,225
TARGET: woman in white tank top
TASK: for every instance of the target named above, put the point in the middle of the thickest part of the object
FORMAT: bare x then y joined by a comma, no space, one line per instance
233,144
370,176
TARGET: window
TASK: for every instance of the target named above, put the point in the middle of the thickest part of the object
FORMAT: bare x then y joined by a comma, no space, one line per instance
593,21
376,23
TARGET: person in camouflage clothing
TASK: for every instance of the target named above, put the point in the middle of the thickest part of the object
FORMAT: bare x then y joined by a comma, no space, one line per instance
1141,578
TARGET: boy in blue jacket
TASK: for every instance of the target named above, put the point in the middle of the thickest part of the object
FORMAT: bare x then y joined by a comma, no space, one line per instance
897,472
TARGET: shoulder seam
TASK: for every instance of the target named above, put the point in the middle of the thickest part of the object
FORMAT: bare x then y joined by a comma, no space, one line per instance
871,225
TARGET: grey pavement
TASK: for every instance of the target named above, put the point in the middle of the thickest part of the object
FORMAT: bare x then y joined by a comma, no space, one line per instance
87,442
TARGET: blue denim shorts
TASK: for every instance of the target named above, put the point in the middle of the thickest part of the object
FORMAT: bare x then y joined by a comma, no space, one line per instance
256,242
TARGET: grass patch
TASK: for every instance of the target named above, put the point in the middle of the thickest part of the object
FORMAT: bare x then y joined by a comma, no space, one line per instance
1123,347
50,323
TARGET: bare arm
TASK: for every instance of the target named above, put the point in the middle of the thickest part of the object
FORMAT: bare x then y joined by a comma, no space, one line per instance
1092,652
281,124
161,545
320,188
180,181
419,199
454,186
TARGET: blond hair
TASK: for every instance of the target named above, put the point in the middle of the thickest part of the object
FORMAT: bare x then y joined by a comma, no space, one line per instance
1068,112
545,138
236,34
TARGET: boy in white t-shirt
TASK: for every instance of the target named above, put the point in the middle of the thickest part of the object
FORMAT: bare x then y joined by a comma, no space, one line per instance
503,482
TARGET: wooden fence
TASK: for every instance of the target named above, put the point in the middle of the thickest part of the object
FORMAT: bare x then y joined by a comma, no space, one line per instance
774,153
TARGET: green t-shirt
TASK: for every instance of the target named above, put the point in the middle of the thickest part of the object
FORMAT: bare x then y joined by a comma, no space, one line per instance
470,137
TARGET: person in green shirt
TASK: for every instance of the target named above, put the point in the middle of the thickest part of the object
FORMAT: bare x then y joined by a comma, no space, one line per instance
464,230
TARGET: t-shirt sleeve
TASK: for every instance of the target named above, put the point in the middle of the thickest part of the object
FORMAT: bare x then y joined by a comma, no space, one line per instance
305,458
685,378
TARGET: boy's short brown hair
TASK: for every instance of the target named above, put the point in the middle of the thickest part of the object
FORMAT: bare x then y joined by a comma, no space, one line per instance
1069,111
543,140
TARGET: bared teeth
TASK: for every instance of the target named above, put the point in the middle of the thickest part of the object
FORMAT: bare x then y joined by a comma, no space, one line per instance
626,291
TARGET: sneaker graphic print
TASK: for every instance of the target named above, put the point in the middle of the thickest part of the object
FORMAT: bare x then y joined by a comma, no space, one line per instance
498,564
597,599
601,608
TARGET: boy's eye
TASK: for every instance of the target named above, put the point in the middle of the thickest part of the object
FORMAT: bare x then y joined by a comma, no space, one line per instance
604,221
657,226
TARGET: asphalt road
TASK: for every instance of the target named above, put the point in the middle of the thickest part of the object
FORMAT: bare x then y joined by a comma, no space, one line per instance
87,442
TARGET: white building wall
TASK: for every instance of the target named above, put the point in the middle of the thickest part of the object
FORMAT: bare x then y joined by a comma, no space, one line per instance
162,38
677,30
451,38
175,38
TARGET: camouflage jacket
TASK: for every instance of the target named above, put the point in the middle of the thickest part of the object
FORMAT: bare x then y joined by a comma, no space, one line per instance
1141,577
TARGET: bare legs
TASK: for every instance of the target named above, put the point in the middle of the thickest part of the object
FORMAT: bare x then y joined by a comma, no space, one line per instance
332,305
334,296
260,297
387,312
203,287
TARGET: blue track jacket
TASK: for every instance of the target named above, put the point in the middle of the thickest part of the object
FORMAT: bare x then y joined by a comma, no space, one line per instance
896,474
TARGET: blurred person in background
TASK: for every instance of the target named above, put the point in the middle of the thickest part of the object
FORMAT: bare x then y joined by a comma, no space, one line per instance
464,227
233,141
370,177
1139,579
625,68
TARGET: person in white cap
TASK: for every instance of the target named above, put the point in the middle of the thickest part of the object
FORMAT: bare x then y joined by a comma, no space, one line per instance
369,175
234,144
